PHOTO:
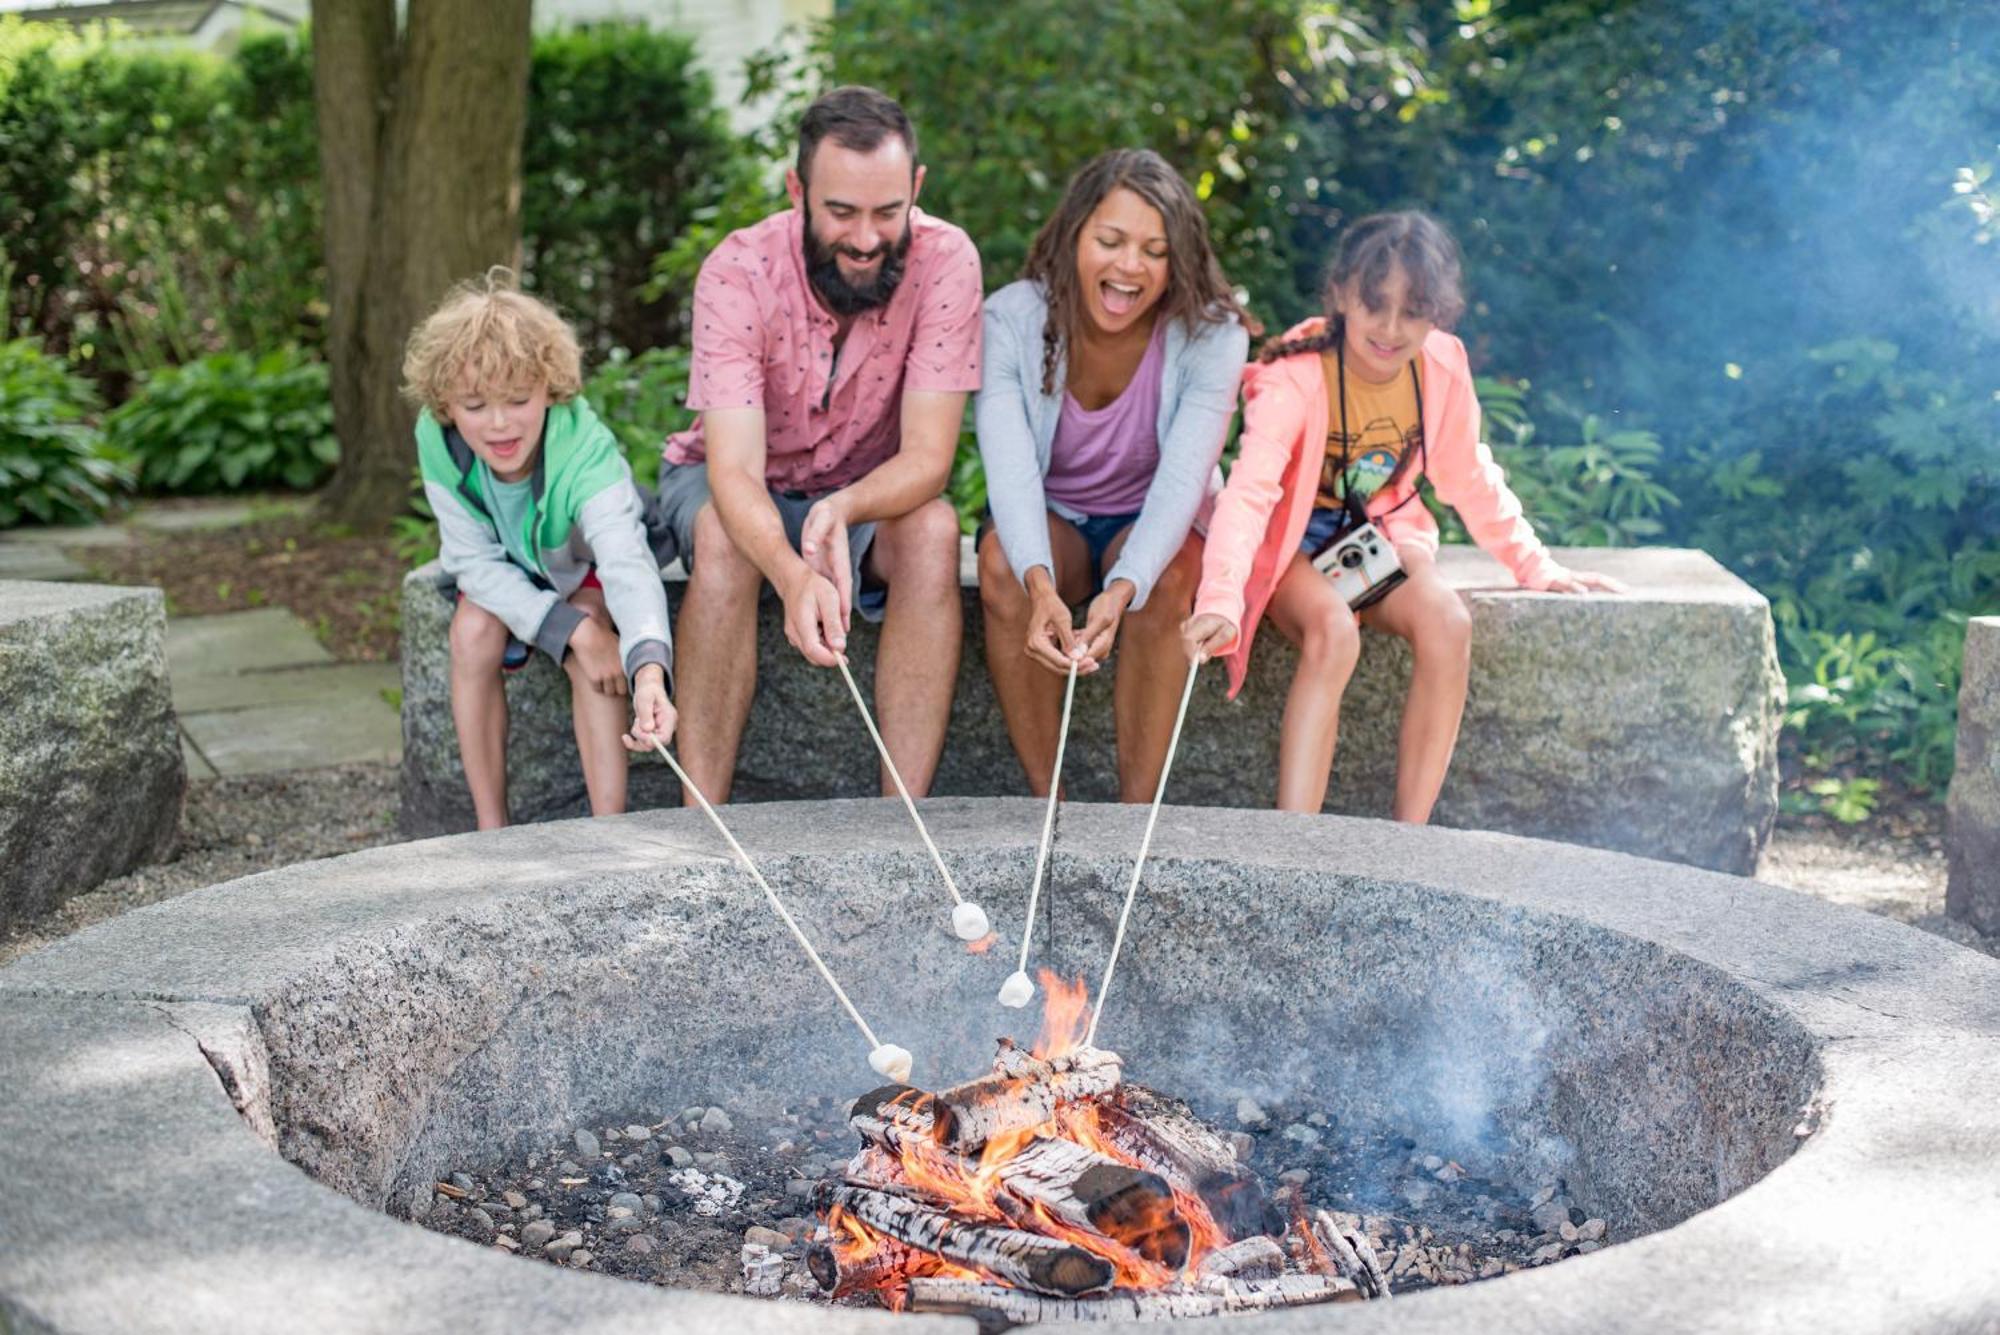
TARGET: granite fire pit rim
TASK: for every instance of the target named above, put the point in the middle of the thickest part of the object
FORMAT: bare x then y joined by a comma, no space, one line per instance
1868,1227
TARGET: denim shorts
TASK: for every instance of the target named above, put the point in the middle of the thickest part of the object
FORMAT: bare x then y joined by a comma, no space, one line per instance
1326,524
1098,533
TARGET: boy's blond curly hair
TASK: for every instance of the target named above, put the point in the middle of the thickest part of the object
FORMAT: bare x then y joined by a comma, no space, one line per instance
489,335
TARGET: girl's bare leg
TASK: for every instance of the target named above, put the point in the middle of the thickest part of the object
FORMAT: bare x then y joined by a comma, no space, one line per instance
1307,611
1152,669
1429,614
1030,695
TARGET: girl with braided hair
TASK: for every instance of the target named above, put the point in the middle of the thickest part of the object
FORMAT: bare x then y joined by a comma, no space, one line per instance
1344,416
1111,374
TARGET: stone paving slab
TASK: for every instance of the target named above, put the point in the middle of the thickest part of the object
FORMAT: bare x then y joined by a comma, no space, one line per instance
341,726
235,642
197,764
307,687
38,561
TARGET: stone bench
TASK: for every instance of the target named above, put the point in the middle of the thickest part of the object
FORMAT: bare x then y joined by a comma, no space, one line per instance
1646,723
1972,844
91,772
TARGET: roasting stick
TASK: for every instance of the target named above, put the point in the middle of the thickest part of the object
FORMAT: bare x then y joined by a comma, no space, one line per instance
968,920
1145,844
1017,989
888,1060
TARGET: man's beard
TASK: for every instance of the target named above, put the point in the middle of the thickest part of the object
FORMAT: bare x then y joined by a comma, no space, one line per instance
842,296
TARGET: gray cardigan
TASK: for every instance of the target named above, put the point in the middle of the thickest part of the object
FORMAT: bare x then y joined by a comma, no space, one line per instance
1016,423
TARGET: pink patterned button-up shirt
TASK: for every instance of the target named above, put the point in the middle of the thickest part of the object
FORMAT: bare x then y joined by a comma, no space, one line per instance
761,339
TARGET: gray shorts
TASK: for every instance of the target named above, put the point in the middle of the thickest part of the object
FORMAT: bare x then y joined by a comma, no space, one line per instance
683,490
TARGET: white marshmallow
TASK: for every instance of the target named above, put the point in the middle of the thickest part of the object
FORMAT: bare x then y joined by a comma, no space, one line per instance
968,920
1016,990
891,1062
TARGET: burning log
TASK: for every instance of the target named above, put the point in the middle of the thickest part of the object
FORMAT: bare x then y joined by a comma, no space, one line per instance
1024,1091
1008,1254
1256,1257
885,1262
1164,1135
997,1303
1095,1192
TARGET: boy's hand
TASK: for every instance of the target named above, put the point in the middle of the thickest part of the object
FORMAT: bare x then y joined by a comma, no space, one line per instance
596,651
813,621
653,715
1205,636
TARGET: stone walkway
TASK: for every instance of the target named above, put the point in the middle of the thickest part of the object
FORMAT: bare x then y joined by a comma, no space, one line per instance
256,691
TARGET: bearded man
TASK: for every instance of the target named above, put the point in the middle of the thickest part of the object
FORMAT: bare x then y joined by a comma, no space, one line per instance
834,346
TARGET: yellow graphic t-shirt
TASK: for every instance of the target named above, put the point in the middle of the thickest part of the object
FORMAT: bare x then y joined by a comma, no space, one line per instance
1385,425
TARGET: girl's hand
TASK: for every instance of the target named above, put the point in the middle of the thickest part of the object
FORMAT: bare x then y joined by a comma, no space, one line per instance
1206,635
1052,639
1582,581
1101,621
653,715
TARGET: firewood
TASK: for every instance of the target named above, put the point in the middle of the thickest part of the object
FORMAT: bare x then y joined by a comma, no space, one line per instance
1023,1092
1164,1135
886,1260
1353,1256
997,1303
1094,1191
1256,1257
1008,1254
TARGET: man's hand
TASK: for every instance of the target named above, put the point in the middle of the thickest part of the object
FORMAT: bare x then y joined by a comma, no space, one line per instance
1051,638
653,715
1206,635
1102,619
596,652
823,546
1582,581
813,618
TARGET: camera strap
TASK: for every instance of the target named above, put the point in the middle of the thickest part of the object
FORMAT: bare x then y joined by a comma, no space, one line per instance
1357,511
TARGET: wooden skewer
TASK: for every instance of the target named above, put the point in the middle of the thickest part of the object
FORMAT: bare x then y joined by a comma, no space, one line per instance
1145,844
1017,989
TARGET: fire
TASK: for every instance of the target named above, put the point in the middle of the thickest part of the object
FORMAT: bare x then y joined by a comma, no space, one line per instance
974,1190
983,944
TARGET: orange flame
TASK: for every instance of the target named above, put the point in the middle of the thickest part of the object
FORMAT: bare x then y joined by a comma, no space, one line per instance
974,1190
983,944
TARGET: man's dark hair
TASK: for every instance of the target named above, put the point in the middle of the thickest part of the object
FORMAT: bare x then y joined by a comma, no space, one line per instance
857,118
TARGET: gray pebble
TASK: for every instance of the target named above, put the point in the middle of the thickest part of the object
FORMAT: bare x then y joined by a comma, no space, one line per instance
1587,1246
1243,1143
537,1184
1566,1231
651,1202
1432,1163
1543,1197
625,1200
464,1183
569,1168
1549,1216
637,1132
630,1223
692,1114
717,1122
586,1144
679,1156
709,1159
1250,1113
481,1224
1590,1230
611,1135
798,1188
537,1233
1302,1133
641,1245
1295,1176
580,1257
558,1249
515,1200
1319,1119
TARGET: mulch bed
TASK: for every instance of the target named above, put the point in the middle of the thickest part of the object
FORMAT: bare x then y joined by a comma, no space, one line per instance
346,586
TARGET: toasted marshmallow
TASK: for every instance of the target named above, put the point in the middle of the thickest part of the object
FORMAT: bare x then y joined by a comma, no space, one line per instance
892,1063
1016,990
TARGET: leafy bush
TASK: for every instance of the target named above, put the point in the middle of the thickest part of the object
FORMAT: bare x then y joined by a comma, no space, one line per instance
229,421
643,400
52,467
625,148
1598,492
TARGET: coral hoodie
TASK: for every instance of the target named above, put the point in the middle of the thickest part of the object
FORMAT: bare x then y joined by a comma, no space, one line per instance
1262,514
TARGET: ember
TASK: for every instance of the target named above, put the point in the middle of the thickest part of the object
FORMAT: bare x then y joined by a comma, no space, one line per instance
1051,1189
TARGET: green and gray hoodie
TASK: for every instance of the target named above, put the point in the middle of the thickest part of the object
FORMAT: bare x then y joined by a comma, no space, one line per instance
586,511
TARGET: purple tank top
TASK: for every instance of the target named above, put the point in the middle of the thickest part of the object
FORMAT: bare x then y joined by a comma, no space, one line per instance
1102,461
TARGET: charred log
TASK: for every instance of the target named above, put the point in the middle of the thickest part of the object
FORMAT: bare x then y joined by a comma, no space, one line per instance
1092,1191
1165,1136
1023,1092
1255,1257
1008,1254
996,1305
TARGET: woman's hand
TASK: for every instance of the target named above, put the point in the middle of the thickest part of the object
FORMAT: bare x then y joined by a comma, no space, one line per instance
653,715
1051,638
1582,581
1206,635
1101,621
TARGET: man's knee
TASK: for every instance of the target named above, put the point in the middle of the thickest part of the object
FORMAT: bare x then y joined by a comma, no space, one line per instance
717,559
920,544
478,639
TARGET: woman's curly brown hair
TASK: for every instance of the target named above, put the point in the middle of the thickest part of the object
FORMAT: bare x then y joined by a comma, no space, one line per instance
489,335
1414,242
1197,292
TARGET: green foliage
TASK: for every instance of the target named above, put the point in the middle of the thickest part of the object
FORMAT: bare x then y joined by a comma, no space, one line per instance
1599,491
53,470
229,421
643,400
1008,102
414,533
625,149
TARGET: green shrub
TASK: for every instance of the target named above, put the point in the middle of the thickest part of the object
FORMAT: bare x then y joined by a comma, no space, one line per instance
229,421
53,469
643,400
625,147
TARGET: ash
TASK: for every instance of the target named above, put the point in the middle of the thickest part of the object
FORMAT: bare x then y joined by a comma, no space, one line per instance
688,1199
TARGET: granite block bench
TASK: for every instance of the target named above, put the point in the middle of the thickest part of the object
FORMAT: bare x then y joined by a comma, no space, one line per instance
1646,723
91,771
1972,840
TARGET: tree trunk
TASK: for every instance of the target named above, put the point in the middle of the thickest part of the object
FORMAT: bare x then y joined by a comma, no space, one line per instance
420,153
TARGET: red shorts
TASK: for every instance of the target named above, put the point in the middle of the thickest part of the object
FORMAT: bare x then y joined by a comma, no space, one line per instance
516,655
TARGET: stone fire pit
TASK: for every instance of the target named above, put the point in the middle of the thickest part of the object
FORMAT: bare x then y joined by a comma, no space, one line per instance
1792,1110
